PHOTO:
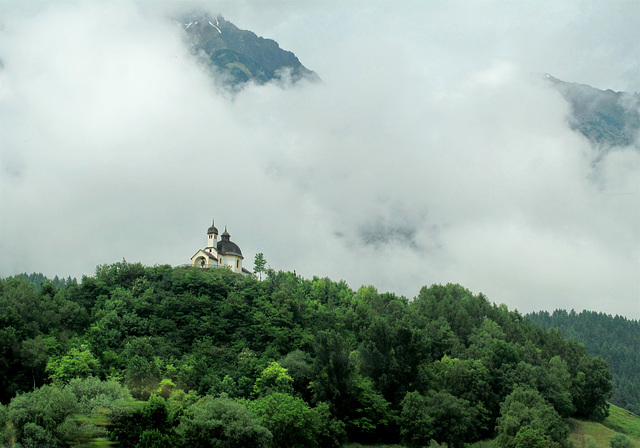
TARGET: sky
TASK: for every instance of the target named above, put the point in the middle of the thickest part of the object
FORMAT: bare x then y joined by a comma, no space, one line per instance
432,152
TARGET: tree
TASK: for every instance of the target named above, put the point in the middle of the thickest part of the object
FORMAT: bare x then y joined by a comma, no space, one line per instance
221,423
439,416
274,378
291,421
620,441
77,363
259,264
37,416
34,354
527,419
416,425
591,387
142,373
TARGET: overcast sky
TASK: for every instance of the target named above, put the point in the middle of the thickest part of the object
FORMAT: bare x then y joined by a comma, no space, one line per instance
432,152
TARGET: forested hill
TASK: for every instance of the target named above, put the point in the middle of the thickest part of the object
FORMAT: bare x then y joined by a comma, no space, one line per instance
616,339
217,359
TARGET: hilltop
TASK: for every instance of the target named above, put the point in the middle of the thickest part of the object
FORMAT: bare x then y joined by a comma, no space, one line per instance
297,362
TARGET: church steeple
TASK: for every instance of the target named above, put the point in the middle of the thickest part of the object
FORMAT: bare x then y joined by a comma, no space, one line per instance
212,235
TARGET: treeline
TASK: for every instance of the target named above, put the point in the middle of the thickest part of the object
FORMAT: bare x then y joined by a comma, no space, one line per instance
216,359
616,339
37,279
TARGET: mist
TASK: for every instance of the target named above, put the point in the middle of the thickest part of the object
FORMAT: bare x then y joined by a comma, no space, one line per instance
433,151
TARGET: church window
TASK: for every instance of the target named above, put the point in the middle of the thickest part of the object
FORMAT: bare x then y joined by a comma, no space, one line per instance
238,264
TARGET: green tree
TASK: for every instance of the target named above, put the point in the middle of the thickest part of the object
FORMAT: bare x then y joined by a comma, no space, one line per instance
34,354
526,417
142,373
39,416
221,423
274,378
439,416
298,365
416,425
291,421
259,264
557,389
94,394
620,441
591,387
77,363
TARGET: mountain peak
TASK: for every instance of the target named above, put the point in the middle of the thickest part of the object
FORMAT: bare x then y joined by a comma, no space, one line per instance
240,56
606,118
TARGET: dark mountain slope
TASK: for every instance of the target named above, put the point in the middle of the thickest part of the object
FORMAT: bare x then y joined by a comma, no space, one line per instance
607,118
241,55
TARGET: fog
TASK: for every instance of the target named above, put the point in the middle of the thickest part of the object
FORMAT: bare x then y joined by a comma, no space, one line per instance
433,151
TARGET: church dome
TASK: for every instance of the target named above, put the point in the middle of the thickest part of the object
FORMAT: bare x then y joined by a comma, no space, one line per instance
227,247
213,229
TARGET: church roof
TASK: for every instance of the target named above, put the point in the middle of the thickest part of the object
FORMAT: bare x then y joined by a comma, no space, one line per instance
228,247
208,254
213,229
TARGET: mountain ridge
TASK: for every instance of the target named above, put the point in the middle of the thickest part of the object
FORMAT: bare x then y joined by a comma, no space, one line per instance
239,55
606,118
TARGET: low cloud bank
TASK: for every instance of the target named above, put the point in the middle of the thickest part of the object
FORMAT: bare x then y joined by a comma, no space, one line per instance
115,143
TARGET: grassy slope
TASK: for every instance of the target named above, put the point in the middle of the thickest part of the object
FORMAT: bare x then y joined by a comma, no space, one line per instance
620,420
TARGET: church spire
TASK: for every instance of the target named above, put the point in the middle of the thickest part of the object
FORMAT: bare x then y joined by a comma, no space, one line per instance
212,235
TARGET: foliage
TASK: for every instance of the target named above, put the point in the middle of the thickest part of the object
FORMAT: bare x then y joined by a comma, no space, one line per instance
259,265
77,363
274,378
620,348
216,358
620,441
290,419
55,415
439,416
527,420
221,422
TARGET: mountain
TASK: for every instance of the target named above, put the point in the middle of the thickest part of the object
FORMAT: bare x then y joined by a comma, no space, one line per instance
606,118
240,56
235,57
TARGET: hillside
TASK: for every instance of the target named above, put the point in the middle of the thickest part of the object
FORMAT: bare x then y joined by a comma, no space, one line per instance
606,118
294,361
615,338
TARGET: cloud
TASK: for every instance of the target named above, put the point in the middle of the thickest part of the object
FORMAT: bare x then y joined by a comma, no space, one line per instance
427,155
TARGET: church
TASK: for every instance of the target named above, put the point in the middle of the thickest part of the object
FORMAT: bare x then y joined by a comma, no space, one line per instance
222,253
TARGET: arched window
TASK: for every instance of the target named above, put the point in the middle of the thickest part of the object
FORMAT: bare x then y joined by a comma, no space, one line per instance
238,264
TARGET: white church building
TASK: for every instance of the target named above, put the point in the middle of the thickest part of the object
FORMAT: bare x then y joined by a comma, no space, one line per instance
219,253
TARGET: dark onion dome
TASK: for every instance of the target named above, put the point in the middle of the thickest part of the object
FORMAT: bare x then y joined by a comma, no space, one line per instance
213,229
227,247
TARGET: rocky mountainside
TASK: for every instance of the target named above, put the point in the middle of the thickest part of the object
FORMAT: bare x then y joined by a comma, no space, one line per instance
239,56
608,119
